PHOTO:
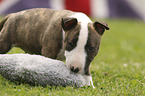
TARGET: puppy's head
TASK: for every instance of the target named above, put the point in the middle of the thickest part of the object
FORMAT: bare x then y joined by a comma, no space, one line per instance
81,43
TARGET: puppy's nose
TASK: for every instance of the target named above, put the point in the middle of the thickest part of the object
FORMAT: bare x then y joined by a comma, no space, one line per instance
75,70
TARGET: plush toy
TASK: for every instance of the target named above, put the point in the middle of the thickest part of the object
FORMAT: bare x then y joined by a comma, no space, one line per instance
38,70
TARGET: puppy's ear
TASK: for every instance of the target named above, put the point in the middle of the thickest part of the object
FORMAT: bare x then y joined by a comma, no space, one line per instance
100,27
69,23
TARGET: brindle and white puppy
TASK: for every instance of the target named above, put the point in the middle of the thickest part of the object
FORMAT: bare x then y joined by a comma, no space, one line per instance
54,33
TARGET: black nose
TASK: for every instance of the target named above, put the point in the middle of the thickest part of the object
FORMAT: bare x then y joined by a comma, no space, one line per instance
75,70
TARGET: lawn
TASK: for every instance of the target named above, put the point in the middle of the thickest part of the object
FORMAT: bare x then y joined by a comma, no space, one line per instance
118,69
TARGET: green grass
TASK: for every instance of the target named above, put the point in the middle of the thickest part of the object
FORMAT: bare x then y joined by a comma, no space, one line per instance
118,69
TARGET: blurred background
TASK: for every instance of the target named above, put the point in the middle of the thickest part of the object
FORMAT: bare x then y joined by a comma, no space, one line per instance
119,68
93,8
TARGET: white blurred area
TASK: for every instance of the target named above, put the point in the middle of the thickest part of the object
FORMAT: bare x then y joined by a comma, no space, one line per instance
139,6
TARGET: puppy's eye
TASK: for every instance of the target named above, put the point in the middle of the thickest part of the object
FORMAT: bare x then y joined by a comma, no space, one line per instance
73,42
90,48
70,44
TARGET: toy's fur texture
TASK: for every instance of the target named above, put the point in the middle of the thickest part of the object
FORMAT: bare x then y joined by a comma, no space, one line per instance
38,70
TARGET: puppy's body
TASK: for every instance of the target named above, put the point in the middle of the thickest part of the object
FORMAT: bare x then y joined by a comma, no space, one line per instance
35,31
54,33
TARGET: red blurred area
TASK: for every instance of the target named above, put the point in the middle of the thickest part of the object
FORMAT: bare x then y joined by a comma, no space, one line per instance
78,6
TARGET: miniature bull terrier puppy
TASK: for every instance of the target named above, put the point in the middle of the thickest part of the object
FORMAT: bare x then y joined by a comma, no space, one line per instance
54,34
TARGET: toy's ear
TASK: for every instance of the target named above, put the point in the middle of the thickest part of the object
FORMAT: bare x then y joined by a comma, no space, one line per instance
100,27
69,23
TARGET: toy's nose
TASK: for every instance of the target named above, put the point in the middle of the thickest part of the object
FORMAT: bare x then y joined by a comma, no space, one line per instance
75,70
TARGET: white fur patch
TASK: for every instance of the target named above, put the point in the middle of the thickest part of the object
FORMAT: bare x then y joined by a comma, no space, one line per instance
77,57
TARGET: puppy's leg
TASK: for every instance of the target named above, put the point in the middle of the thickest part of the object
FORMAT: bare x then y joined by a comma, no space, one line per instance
5,44
89,80
51,45
4,47
49,52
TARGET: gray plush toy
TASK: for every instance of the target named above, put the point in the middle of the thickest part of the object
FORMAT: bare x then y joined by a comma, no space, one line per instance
38,70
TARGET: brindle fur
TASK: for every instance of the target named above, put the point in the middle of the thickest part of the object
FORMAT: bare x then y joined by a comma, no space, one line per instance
94,41
34,30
